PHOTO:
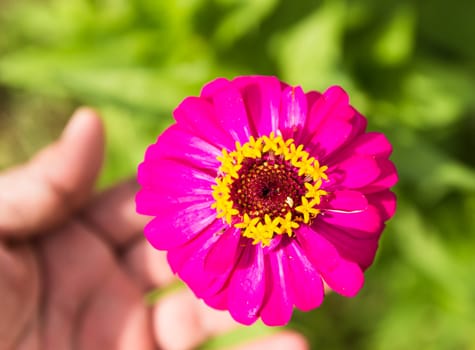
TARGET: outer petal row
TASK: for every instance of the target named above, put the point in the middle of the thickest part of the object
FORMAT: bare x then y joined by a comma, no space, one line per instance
184,147
220,265
262,100
343,276
331,124
257,284
230,111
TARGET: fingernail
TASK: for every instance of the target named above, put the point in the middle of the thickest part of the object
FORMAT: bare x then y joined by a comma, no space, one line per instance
80,118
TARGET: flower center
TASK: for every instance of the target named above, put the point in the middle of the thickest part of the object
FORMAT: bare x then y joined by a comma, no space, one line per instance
268,186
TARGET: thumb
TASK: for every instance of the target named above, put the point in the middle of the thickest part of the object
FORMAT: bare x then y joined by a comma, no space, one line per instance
58,180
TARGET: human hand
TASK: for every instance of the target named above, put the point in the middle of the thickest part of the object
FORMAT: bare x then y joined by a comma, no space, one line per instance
74,266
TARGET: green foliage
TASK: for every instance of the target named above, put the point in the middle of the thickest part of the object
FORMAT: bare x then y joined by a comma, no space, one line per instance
408,65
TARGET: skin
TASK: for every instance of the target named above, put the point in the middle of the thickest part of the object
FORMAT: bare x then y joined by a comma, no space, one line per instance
74,265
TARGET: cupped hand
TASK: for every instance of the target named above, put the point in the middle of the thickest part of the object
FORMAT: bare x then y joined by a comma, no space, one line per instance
74,266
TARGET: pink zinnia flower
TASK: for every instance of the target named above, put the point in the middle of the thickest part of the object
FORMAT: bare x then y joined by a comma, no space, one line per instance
262,193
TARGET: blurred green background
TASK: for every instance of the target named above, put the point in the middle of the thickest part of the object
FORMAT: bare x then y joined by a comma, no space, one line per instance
409,67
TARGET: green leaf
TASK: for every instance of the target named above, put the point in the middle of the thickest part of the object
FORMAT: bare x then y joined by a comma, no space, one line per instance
310,52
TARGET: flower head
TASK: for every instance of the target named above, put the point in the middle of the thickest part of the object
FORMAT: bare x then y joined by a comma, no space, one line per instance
262,193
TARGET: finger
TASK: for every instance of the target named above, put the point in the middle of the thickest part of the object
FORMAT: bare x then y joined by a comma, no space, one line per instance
19,291
280,341
90,302
75,264
147,267
56,181
113,213
116,318
183,322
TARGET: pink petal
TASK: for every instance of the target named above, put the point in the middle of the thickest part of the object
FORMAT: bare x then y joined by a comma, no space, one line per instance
178,258
312,97
219,300
388,177
359,123
277,309
181,145
332,123
349,244
188,261
318,251
343,276
223,254
262,98
330,104
199,117
152,203
333,134
302,273
231,113
247,285
213,87
345,201
293,111
354,172
346,279
305,134
368,221
172,176
166,184
372,143
178,224
385,201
